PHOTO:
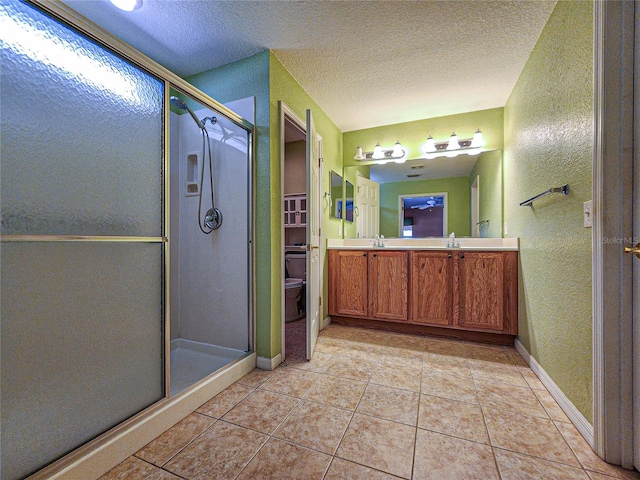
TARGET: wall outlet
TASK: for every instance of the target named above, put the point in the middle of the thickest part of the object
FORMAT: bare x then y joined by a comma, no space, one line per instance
339,230
506,229
588,214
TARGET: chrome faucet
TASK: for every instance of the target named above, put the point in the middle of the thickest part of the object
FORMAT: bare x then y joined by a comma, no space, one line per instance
452,241
378,241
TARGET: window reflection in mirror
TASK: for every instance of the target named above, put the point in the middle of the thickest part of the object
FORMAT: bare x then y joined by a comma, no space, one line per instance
336,195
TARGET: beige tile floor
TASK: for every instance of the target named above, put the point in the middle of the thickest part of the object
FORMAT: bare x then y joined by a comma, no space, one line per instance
377,405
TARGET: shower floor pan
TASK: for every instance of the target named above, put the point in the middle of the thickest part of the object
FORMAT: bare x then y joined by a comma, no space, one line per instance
192,361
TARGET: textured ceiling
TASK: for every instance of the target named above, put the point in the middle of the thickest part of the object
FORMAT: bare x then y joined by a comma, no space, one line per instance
366,63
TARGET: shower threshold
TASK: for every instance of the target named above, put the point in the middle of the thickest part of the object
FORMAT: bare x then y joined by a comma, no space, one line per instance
192,361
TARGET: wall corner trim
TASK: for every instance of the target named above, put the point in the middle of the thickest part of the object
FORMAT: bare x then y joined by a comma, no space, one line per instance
580,422
265,363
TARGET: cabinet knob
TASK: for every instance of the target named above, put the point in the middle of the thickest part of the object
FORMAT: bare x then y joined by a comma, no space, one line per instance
449,256
461,256
364,254
375,255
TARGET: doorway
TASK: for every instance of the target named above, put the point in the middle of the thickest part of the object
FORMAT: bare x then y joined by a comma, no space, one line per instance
301,218
422,215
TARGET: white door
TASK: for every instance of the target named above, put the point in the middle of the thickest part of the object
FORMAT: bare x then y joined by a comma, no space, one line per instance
314,280
368,207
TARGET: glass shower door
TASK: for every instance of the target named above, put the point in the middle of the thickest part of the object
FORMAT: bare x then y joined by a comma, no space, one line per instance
82,252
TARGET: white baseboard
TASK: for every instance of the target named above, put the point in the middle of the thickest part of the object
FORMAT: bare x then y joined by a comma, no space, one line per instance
326,322
102,454
265,363
580,422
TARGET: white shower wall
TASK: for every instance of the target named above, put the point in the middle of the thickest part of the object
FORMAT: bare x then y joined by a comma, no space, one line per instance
210,273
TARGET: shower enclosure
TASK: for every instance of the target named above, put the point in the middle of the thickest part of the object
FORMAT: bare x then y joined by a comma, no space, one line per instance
113,298
210,194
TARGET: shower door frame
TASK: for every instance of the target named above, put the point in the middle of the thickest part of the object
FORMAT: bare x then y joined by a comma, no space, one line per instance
86,459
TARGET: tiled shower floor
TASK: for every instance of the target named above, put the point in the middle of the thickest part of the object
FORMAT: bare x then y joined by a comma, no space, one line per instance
374,405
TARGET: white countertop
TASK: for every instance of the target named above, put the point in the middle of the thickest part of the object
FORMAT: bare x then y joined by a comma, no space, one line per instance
430,243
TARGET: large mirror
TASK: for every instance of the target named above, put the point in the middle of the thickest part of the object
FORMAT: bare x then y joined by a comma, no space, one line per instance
336,195
433,197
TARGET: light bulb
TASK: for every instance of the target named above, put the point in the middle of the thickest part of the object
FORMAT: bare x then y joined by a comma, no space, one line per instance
453,143
430,146
478,140
377,152
359,155
127,5
398,151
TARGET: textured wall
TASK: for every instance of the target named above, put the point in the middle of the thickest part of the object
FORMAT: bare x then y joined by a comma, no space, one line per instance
489,169
548,141
458,209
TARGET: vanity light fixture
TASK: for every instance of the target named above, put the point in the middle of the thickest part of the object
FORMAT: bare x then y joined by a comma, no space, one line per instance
381,156
454,146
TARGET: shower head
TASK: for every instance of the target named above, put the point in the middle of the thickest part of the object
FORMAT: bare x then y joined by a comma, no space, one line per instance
182,105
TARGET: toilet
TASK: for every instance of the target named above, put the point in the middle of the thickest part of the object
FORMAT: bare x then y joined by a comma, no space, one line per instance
294,283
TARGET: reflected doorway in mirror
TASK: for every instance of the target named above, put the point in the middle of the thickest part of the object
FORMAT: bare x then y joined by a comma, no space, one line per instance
422,215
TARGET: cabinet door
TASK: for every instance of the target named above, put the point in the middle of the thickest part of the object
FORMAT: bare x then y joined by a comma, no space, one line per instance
295,210
289,211
388,285
481,289
348,283
301,208
432,288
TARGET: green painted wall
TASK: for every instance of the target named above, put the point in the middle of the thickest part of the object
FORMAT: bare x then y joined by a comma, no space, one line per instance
458,214
413,135
241,79
548,142
489,169
283,87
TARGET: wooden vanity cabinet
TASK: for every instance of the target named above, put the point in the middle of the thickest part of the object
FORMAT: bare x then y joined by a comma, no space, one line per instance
458,290
388,285
348,283
370,284
467,290
480,291
432,288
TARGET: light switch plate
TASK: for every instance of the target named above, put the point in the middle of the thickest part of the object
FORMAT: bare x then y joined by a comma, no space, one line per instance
588,214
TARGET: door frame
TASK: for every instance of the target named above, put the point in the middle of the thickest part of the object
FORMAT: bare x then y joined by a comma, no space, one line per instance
612,226
475,207
287,114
